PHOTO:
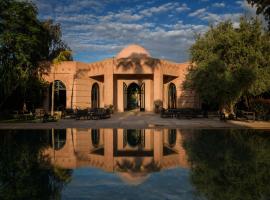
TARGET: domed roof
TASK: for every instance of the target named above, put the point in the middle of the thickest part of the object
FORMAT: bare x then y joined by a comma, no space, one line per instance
133,178
132,50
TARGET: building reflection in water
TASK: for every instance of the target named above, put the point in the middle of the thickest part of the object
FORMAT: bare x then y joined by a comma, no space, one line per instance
132,153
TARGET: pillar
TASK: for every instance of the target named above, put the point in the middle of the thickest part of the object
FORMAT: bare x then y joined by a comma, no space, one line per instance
109,149
158,146
158,85
108,86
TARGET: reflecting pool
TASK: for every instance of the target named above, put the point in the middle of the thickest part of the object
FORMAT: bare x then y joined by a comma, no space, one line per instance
135,164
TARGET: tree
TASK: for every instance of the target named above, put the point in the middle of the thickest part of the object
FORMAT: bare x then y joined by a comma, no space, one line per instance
230,164
229,63
25,172
27,47
263,7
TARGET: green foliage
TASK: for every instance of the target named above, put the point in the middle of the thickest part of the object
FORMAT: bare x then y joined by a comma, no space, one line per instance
261,108
263,7
25,173
64,55
230,62
230,164
27,46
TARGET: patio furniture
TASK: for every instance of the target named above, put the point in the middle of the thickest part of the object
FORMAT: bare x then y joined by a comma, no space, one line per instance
185,113
169,113
48,118
69,113
99,113
245,114
26,116
39,113
82,114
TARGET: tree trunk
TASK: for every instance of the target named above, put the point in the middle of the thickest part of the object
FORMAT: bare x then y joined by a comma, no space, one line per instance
228,110
52,104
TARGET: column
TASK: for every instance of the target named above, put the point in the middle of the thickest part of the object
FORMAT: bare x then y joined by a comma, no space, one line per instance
158,146
108,149
158,85
108,86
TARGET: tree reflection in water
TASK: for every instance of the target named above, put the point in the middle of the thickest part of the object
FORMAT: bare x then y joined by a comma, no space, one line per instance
230,164
24,172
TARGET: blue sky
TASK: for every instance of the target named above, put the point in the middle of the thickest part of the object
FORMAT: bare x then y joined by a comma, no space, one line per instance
98,29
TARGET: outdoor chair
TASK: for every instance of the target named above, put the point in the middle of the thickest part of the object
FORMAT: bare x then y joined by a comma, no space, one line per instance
185,113
48,118
25,115
100,113
169,113
39,113
69,113
245,114
82,114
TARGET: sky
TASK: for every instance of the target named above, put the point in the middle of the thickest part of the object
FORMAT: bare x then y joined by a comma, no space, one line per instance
99,29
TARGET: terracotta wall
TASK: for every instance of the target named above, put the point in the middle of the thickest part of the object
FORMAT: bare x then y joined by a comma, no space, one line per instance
80,77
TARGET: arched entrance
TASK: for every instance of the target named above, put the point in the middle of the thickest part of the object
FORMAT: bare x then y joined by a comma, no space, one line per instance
60,95
134,138
172,96
134,96
95,96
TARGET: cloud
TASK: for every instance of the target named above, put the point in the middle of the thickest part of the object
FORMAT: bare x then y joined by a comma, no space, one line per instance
100,29
198,12
164,8
183,7
214,18
219,5
249,10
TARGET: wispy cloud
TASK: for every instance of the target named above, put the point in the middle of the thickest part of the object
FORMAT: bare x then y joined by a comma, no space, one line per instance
219,5
99,29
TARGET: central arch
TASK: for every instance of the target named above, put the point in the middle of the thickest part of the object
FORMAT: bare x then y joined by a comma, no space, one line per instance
134,96
134,138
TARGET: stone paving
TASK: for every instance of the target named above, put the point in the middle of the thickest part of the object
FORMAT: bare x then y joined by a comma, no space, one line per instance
139,120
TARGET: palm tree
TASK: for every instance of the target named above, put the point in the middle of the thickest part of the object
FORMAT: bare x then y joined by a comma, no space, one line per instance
65,55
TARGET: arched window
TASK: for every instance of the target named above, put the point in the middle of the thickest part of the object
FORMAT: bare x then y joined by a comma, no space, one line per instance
172,96
95,136
60,97
58,139
172,137
95,96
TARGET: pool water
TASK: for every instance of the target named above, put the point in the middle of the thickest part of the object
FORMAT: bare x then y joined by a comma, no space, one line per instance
135,164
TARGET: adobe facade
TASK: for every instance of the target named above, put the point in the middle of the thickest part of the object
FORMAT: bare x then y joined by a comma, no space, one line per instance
133,154
131,80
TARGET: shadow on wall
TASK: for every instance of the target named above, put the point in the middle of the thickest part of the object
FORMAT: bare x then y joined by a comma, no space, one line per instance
79,74
188,97
136,61
137,166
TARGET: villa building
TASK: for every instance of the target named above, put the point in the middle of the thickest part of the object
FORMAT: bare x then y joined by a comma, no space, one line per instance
131,153
131,80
